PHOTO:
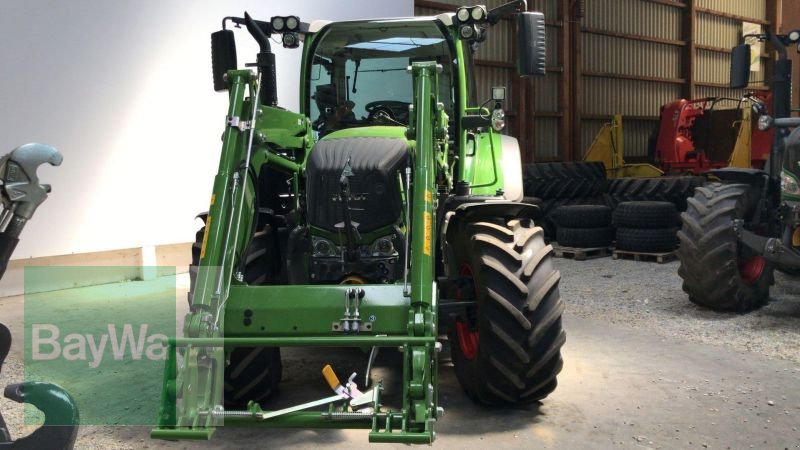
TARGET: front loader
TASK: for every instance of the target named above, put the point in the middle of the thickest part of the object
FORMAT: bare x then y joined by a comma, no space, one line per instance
387,212
738,230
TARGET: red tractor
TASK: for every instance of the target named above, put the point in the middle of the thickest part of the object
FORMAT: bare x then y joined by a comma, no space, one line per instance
694,136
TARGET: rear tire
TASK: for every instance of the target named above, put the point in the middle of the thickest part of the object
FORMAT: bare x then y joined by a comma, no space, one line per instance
717,272
509,350
253,372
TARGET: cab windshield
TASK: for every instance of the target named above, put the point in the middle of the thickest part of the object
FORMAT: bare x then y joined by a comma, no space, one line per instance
358,73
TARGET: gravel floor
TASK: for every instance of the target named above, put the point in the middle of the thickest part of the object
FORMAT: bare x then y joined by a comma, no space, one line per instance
637,295
645,295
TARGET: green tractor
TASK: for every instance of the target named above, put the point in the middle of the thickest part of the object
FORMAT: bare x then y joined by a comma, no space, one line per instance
738,230
386,213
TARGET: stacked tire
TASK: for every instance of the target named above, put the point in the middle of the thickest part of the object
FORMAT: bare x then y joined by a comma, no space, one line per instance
584,226
564,183
673,189
646,226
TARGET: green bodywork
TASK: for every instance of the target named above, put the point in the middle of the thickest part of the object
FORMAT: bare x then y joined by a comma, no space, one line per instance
302,315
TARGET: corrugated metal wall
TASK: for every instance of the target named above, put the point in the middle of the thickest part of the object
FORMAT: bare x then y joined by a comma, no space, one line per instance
631,65
648,41
495,66
756,9
638,17
628,57
548,114
715,35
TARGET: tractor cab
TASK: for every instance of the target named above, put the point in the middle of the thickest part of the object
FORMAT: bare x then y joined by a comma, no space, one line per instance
358,75
360,89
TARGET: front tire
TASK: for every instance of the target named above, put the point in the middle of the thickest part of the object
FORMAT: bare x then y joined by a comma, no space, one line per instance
718,272
253,373
508,350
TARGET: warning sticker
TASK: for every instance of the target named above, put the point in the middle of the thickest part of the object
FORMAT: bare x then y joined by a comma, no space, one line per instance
427,234
428,197
205,238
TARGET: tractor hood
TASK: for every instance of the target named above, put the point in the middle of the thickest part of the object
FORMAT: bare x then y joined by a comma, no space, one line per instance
376,156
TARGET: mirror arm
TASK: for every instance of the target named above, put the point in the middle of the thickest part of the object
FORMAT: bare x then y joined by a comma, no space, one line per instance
776,42
504,11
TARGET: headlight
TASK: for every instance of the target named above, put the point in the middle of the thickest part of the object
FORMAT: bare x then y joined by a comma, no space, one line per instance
383,247
467,31
324,247
278,23
478,13
764,122
462,14
498,119
290,40
292,23
789,183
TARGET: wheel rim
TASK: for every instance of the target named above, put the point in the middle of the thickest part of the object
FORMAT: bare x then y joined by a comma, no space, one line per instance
752,269
467,338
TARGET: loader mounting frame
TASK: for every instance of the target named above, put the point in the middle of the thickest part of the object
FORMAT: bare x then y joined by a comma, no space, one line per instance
228,313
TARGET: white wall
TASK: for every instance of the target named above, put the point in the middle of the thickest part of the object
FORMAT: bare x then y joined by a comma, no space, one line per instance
123,89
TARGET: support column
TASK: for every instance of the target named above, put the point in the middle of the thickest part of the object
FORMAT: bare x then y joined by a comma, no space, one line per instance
572,22
688,58
565,84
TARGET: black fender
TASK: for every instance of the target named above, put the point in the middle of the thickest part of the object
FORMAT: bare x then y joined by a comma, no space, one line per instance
765,191
753,177
462,213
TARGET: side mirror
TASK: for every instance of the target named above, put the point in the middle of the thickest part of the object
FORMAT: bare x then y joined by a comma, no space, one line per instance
223,57
530,43
740,66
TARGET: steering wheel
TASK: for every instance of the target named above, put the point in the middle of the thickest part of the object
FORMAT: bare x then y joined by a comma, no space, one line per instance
387,112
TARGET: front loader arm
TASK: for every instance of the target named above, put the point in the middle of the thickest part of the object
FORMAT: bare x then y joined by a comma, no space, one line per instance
420,393
194,386
229,218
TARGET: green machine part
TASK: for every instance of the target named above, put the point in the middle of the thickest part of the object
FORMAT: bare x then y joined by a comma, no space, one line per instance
193,383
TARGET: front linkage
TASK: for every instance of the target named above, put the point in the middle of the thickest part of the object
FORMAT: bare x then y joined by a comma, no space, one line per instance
192,397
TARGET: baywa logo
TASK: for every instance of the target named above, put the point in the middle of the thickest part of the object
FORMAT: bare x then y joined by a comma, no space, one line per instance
125,344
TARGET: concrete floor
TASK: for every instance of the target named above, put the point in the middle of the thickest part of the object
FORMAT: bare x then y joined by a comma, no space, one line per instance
621,387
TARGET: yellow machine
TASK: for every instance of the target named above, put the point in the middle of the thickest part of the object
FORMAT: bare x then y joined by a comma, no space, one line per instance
608,147
741,154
